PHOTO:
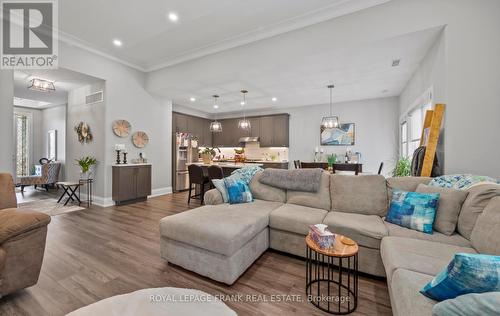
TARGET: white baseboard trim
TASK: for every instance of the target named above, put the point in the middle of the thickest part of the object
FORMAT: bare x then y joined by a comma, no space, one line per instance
98,200
160,191
107,202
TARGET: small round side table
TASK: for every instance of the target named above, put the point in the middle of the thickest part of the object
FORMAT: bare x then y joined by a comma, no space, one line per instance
332,276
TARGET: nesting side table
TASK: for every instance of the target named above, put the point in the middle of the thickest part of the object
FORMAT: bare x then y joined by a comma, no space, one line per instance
332,276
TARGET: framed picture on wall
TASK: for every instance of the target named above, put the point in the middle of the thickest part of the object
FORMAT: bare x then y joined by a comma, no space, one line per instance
344,135
52,145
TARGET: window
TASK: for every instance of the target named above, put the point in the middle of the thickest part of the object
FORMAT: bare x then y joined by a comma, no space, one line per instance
411,129
404,139
22,125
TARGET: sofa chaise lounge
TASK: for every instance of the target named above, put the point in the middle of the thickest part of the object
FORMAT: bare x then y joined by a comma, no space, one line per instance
221,241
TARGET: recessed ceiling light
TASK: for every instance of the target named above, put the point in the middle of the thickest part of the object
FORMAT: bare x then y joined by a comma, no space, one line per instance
117,42
192,99
396,62
172,16
242,103
274,99
216,106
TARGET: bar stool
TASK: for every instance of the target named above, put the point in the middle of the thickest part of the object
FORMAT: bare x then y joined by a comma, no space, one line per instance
196,176
215,172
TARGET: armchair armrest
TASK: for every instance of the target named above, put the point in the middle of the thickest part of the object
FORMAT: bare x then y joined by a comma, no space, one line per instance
213,197
14,222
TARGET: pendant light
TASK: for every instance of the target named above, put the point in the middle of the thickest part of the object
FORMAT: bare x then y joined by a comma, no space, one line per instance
244,124
330,121
215,126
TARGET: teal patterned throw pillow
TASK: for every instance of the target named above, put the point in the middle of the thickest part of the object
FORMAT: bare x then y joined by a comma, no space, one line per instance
466,273
413,210
237,191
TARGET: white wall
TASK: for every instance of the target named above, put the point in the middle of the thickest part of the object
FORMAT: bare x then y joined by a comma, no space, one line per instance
6,121
376,130
54,118
94,116
126,98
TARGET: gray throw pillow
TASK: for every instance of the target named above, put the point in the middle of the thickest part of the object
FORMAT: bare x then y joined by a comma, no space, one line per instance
450,204
469,304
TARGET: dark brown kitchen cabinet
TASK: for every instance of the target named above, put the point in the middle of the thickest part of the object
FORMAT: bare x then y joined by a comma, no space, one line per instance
131,183
180,123
254,126
281,131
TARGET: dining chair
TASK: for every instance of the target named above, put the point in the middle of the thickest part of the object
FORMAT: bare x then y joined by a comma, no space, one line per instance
296,163
313,165
380,168
197,177
215,172
354,167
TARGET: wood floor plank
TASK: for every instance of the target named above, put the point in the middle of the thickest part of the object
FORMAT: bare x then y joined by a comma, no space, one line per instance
101,252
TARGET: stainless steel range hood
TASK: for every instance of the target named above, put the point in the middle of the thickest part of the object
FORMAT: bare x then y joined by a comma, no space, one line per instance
245,140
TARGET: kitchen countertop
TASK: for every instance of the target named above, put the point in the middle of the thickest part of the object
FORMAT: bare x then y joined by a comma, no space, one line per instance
234,165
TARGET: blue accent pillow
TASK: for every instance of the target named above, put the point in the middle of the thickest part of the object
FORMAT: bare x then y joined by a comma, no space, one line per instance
413,210
221,187
237,190
246,173
466,273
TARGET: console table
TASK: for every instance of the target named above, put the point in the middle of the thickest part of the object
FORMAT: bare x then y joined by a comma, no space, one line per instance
131,183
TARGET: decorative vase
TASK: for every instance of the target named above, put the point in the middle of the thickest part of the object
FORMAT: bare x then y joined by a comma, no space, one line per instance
87,174
207,159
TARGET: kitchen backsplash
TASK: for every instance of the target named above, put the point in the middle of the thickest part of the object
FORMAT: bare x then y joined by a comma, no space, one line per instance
254,151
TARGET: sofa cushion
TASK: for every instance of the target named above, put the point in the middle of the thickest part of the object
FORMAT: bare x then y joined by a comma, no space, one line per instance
479,196
366,230
320,199
296,218
405,184
222,228
455,239
417,255
364,194
485,236
266,192
450,203
469,304
406,298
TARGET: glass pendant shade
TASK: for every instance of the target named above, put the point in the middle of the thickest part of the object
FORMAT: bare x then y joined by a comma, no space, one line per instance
330,122
215,127
244,124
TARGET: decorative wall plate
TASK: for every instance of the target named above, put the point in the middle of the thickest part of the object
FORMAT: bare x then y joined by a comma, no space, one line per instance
140,139
83,132
121,128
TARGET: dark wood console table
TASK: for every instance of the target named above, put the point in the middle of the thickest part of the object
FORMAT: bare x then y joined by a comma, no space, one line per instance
131,183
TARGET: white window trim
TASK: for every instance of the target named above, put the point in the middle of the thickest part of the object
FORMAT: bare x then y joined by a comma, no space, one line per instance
420,102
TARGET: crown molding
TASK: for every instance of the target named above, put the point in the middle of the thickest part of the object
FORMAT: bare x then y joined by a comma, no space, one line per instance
307,19
76,42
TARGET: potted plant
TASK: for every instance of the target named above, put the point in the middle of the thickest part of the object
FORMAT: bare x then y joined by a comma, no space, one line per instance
403,168
86,166
208,155
331,160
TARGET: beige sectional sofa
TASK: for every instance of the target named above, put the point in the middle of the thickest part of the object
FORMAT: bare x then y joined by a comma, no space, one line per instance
221,241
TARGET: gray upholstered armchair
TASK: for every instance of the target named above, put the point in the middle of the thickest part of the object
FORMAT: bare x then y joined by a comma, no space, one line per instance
22,241
49,176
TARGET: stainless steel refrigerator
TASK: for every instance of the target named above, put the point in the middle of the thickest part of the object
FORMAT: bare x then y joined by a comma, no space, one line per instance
185,151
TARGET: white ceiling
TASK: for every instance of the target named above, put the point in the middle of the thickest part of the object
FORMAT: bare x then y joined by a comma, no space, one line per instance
359,71
64,81
151,41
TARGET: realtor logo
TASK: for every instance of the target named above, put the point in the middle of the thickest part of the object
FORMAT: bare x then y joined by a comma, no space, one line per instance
28,34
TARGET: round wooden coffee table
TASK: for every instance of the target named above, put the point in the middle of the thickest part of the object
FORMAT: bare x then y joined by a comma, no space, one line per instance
332,276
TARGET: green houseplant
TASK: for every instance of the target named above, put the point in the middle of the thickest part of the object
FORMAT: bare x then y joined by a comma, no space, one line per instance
208,154
86,164
403,167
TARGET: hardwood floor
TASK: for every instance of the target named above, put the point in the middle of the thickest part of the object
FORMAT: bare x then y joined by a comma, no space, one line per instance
101,252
